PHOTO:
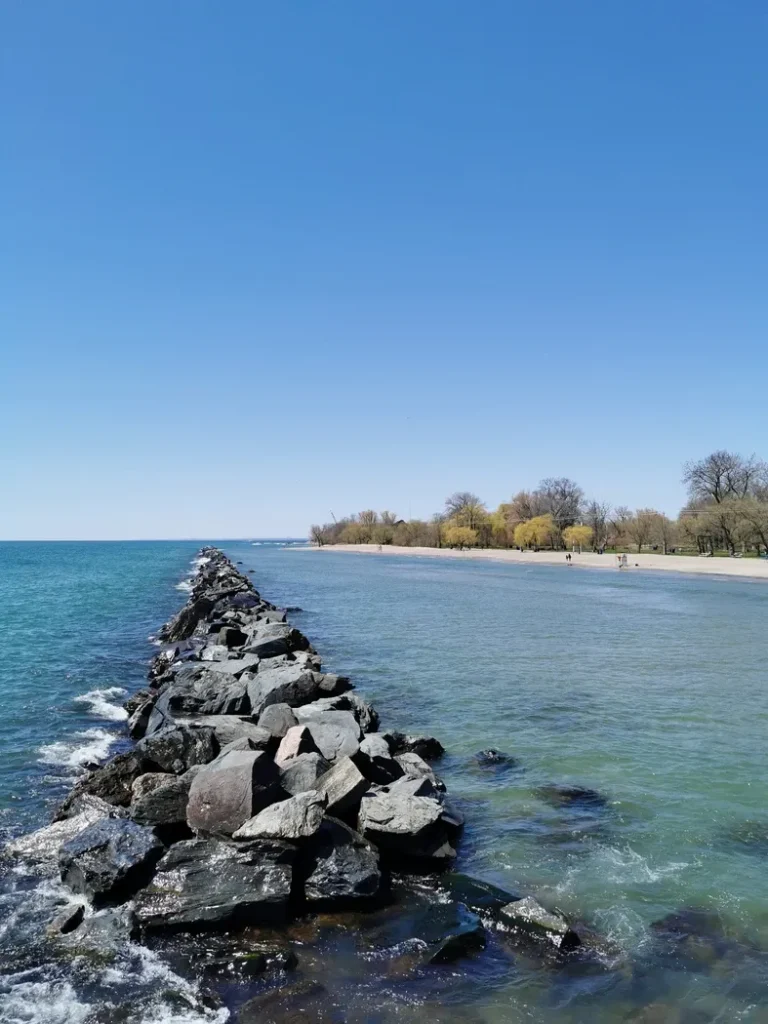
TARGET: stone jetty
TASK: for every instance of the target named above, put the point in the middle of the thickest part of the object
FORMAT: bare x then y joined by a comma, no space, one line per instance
260,789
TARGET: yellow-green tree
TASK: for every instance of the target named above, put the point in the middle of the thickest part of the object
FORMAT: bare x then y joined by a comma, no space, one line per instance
577,536
459,537
537,532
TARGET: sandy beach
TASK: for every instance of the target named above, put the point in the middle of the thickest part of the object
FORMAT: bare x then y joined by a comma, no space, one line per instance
751,568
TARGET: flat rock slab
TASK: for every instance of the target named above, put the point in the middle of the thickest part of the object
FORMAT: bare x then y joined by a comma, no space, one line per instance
46,842
343,868
301,773
177,749
290,684
228,728
296,818
297,741
336,733
343,786
408,829
277,719
231,790
109,860
206,883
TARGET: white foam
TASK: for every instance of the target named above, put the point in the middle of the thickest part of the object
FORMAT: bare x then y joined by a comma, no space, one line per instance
627,866
152,969
200,562
79,749
41,1002
185,586
99,705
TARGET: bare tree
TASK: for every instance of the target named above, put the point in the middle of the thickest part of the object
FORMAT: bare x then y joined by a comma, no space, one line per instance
560,498
466,508
388,518
663,531
596,515
317,534
640,527
722,475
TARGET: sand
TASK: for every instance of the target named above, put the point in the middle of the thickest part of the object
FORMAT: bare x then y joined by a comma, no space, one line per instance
750,568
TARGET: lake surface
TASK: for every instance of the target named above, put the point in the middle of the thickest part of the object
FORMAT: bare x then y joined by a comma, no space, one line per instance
648,689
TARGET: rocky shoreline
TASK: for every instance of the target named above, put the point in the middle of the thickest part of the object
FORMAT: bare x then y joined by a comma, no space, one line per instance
261,791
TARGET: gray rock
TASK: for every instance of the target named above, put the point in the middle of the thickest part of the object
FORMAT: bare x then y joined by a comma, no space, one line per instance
269,639
247,662
342,786
336,734
109,860
290,684
112,783
215,652
231,636
425,746
228,728
230,791
277,719
375,761
415,767
161,799
204,689
107,928
301,773
296,818
529,916
177,748
407,829
206,883
343,868
139,718
297,741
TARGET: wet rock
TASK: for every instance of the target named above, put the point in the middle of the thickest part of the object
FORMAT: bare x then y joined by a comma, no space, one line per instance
303,1002
177,749
46,842
108,928
343,786
296,818
230,791
277,719
576,797
301,773
109,860
66,921
527,915
425,746
495,759
479,896
375,761
183,625
297,741
138,721
408,830
207,883
160,798
136,700
749,837
465,937
112,783
290,684
343,869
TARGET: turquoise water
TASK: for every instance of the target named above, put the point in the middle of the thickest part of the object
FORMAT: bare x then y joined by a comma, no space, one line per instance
649,689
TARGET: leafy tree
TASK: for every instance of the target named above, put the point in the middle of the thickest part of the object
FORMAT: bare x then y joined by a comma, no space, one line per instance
460,537
465,509
578,536
537,532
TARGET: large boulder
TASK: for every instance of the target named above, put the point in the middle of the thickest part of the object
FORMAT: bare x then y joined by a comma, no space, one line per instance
425,746
297,741
206,883
199,689
228,728
415,767
408,829
160,798
290,684
269,639
236,666
296,818
336,734
343,869
110,860
183,625
277,719
301,773
231,790
528,916
375,761
365,713
343,786
177,749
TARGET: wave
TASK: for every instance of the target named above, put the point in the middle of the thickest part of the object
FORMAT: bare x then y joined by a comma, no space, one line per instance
185,586
78,750
41,1002
99,705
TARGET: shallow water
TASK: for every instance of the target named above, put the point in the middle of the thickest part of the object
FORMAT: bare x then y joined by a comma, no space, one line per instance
648,689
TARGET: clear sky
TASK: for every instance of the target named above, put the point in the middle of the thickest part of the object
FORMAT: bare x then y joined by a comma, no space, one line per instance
261,261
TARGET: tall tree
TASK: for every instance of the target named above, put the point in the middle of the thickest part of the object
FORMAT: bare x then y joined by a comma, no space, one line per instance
466,509
596,515
560,498
722,475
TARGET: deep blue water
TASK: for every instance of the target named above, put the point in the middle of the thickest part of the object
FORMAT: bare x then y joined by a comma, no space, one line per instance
650,689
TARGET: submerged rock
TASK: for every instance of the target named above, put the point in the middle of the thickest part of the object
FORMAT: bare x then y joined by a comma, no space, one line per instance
465,937
207,883
109,860
529,916
495,759
46,842
66,921
576,797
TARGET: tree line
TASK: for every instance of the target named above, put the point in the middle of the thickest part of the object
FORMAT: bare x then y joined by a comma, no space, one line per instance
727,511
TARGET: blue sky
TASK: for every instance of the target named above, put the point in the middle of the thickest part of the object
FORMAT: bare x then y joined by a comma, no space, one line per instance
261,261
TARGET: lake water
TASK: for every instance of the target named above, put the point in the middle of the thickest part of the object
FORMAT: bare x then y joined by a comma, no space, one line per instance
648,689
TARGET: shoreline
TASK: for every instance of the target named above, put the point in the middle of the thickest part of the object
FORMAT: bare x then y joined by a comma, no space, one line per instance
739,568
